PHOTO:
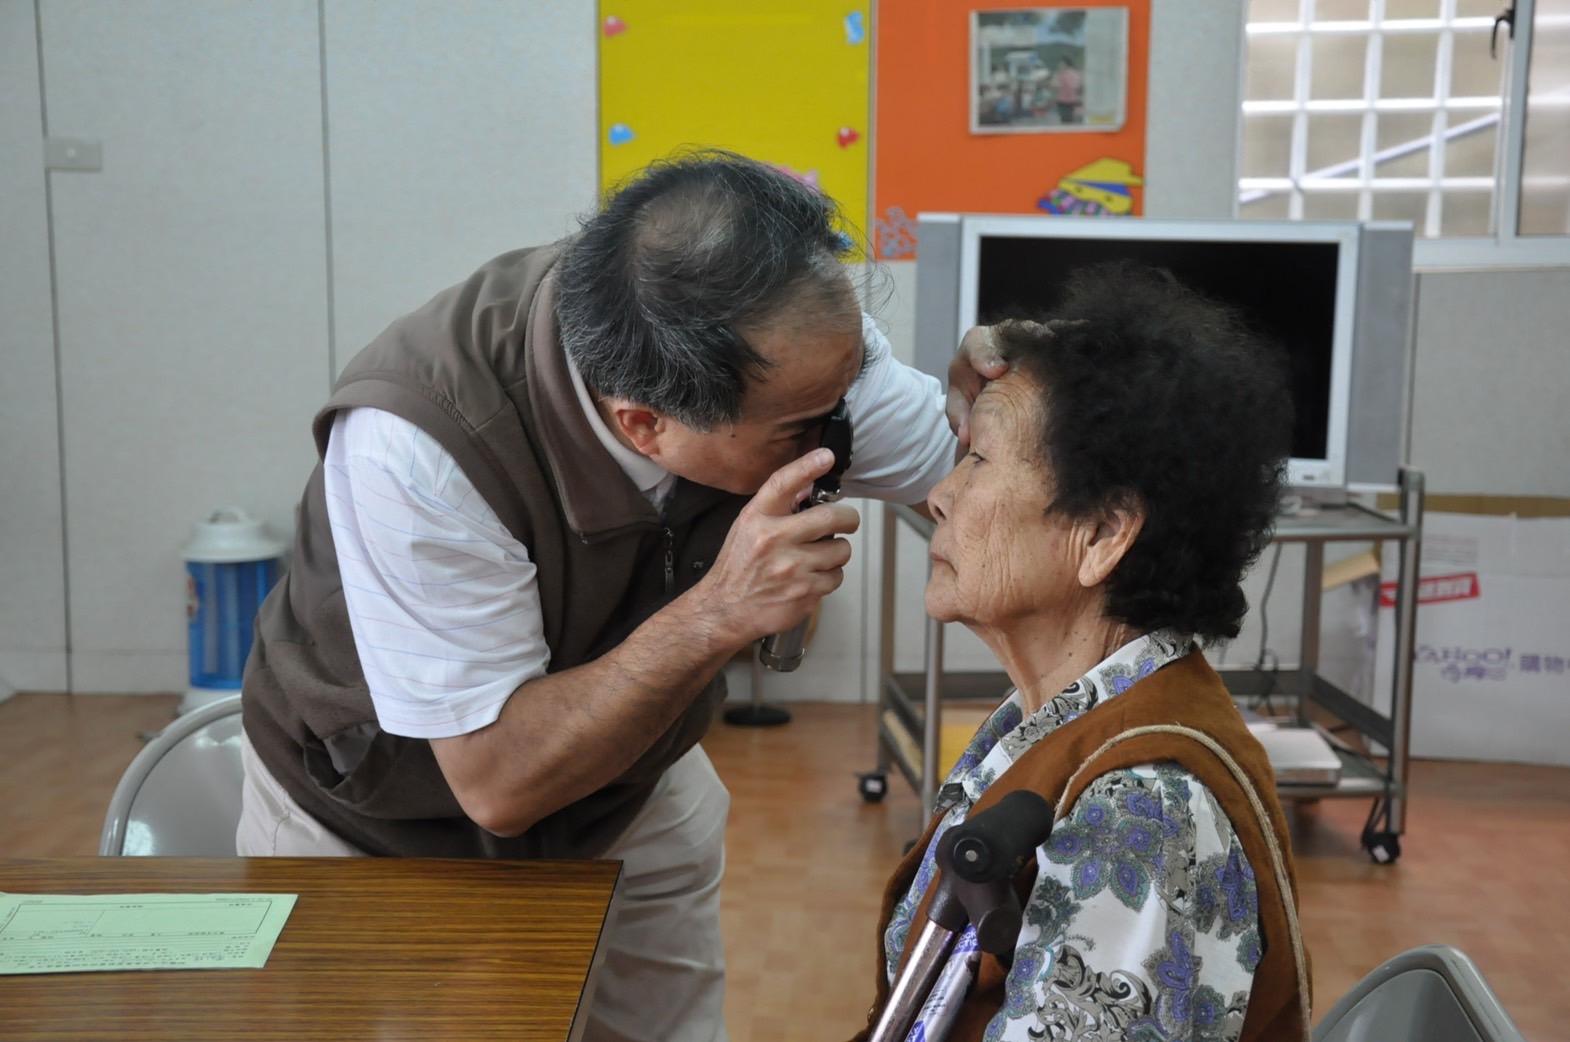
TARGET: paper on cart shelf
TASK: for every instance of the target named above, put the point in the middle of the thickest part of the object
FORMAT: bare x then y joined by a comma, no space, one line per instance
1298,755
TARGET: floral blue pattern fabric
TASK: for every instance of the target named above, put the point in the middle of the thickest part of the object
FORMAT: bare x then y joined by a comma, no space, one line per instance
1143,921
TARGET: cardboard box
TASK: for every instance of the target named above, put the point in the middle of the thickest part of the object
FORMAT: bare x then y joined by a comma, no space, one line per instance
1491,676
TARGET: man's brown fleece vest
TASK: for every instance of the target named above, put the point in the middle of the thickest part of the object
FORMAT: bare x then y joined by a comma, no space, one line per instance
1186,693
481,371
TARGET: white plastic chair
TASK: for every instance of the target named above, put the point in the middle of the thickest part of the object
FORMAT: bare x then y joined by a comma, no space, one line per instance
1433,993
180,797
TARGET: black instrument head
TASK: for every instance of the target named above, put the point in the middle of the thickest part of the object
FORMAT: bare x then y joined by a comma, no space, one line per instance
837,436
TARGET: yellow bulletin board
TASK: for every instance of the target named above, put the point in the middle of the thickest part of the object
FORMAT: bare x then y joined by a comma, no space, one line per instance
784,83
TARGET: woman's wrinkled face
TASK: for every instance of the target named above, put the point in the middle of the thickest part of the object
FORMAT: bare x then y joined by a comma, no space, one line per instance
998,554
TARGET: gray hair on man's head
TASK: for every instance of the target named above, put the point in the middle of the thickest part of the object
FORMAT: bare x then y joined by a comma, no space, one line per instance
655,293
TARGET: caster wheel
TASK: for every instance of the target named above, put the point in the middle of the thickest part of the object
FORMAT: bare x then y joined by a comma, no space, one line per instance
873,785
1383,847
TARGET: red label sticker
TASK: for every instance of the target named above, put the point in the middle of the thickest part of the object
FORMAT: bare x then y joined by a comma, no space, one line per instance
1436,589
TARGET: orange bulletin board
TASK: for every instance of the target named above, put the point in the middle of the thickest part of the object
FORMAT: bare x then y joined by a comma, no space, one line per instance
927,157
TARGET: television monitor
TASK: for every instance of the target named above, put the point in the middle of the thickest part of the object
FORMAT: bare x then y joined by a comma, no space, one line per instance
1336,295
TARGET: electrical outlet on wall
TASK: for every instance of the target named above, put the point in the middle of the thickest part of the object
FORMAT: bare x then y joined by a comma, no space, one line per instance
81,154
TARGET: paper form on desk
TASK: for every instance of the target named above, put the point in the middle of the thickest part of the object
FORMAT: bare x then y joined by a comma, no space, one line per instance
57,933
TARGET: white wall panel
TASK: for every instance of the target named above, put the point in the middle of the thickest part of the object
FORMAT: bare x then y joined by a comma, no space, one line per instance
456,132
191,281
1196,101
1492,365
32,548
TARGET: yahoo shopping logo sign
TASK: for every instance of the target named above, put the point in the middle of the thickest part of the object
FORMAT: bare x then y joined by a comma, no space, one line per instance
1456,664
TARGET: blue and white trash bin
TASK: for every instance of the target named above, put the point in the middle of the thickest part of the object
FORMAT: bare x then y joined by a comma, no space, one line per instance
231,563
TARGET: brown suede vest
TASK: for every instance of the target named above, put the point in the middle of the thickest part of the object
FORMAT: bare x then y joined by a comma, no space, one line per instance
1187,693
480,370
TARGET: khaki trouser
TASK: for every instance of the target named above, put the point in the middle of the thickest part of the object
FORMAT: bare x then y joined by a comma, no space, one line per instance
663,978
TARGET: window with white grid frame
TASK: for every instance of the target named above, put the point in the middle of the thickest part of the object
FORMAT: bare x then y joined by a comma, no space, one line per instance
1395,110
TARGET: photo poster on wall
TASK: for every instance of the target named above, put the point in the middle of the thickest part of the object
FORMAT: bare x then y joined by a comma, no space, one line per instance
1007,107
788,84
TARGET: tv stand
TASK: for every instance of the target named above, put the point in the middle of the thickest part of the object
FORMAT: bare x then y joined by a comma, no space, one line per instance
911,704
1303,500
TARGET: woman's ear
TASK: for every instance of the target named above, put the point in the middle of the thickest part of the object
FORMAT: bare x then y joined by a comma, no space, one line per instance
1113,535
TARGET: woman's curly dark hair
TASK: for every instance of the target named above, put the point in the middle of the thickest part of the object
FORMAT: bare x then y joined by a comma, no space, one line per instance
1156,397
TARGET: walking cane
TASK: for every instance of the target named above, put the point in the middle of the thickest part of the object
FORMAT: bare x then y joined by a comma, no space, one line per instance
977,861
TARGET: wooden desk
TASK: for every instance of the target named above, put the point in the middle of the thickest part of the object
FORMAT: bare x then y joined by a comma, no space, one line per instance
376,948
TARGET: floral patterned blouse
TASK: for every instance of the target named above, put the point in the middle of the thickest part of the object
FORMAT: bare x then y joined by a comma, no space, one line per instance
1143,923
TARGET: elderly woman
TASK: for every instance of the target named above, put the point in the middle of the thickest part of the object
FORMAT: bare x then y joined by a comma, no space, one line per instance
1122,476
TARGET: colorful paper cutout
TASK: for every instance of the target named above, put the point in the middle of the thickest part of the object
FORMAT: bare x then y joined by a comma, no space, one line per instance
619,134
810,178
847,136
895,237
1101,188
614,26
855,28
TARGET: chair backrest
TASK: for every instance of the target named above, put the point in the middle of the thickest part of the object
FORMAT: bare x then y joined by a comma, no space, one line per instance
1433,993
180,797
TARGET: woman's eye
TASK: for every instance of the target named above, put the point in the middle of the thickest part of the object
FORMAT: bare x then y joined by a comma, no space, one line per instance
976,456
